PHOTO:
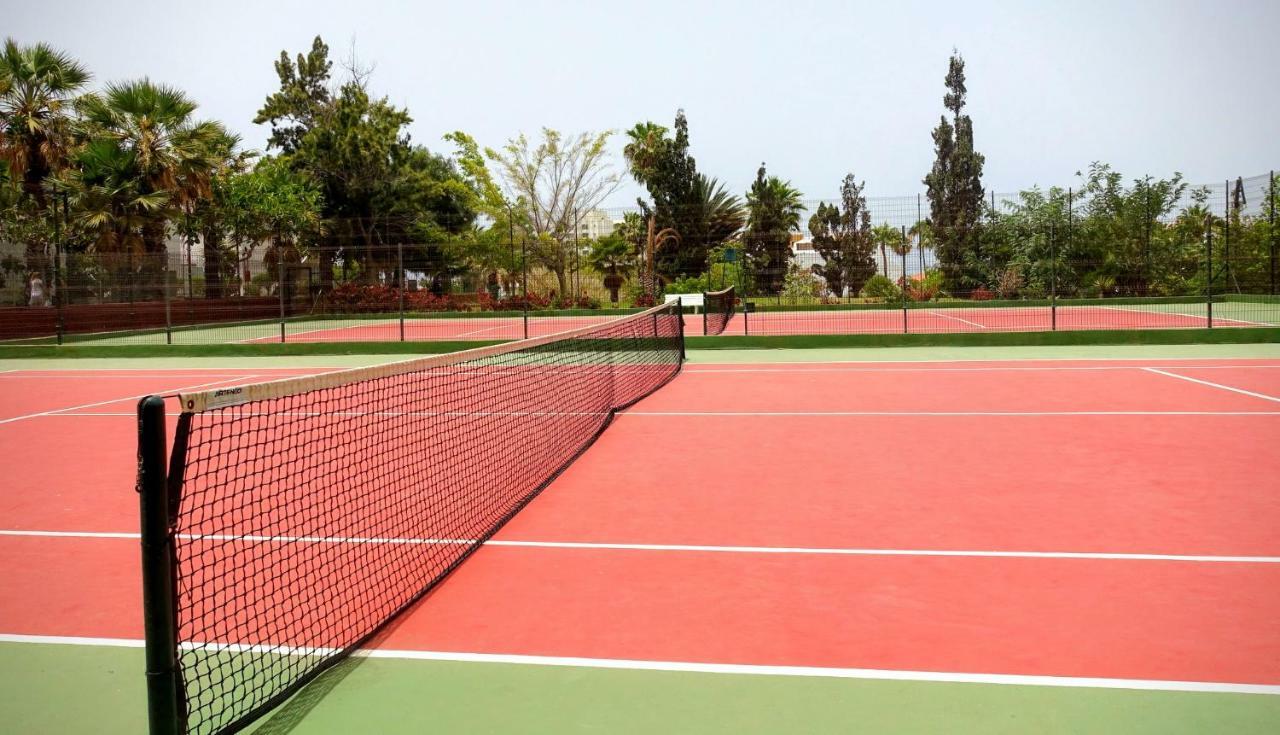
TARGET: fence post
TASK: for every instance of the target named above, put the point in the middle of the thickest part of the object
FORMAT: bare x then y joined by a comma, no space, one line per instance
400,269
1053,280
164,708
168,317
524,280
903,245
57,275
1226,232
280,292
1208,284
1271,228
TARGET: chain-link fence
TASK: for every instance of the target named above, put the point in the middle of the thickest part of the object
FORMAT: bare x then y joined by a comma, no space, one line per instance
1151,255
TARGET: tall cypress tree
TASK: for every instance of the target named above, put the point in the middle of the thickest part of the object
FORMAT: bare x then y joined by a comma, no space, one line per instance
955,184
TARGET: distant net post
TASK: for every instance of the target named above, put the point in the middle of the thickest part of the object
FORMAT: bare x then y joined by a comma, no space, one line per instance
158,574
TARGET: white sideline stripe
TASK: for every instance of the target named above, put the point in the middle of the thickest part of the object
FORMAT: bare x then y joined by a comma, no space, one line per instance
816,551
958,319
950,413
79,376
1001,369
693,366
946,677
1202,317
712,413
61,411
1241,391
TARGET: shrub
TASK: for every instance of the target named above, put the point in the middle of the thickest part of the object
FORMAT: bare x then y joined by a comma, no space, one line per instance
691,284
880,287
981,294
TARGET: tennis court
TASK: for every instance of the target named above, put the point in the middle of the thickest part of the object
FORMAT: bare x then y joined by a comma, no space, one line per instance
961,545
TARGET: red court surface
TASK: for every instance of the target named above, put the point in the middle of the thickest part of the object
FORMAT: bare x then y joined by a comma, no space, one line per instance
1098,519
849,321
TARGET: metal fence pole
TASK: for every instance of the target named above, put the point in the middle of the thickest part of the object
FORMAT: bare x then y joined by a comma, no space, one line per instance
57,275
400,269
1208,284
524,279
903,245
164,708
168,316
1053,280
280,294
1226,231
1271,228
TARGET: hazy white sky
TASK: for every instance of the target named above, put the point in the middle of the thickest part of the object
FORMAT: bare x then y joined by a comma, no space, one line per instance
815,88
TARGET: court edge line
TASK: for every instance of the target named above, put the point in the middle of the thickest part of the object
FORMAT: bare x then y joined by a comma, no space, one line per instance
962,360
958,319
1220,386
994,369
738,414
61,411
943,677
589,545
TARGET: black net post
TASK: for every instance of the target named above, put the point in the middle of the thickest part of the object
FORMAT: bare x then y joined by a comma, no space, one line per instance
903,246
679,325
158,588
1208,281
704,318
400,271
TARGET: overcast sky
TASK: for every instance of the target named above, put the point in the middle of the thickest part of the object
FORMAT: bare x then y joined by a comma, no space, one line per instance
816,89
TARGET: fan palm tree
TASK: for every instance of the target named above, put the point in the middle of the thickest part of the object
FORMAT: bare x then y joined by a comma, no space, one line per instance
888,238
174,154
644,141
37,86
922,231
614,258
711,216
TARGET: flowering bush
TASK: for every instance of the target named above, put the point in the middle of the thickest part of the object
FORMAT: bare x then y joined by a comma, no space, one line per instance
365,298
981,294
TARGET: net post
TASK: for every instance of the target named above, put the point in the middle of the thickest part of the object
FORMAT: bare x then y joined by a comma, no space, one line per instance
680,325
1208,282
704,316
158,588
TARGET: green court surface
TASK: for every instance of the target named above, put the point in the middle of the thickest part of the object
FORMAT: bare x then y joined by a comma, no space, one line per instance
63,684
63,688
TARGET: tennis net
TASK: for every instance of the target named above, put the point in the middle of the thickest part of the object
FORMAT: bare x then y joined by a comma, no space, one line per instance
295,518
718,310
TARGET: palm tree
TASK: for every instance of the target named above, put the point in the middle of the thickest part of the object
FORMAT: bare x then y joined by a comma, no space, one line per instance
654,240
612,257
710,217
774,209
887,237
644,141
922,231
174,154
37,84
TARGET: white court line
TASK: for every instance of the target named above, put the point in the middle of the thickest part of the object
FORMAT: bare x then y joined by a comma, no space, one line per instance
168,376
690,548
947,677
1202,317
963,360
958,319
1241,391
60,411
993,369
460,414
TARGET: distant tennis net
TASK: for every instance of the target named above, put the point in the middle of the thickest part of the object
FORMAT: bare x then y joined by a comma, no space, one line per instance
295,518
718,310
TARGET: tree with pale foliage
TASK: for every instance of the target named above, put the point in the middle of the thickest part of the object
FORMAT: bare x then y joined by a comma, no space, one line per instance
553,183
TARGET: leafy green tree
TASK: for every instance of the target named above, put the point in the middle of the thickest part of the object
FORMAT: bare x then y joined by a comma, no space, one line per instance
955,184
553,182
1119,227
682,200
302,100
887,237
615,259
272,204
842,236
774,208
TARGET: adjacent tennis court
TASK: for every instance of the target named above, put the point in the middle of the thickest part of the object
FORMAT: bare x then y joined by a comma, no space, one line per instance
969,546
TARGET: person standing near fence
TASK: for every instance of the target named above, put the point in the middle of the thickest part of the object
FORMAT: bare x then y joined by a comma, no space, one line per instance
35,289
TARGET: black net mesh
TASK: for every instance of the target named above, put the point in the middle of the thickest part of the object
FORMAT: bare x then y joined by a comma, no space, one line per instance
719,307
311,511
